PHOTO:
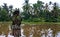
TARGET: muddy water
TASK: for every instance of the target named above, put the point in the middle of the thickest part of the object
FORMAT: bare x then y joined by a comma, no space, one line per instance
46,30
41,30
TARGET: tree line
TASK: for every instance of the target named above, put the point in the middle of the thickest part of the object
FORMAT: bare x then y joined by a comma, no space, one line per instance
41,12
38,12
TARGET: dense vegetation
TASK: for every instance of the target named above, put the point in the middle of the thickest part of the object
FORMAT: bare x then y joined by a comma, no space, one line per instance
38,12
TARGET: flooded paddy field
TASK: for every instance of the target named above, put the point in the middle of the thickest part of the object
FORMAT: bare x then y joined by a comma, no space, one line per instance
43,30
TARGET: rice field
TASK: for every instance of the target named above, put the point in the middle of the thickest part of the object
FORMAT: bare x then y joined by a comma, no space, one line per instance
34,29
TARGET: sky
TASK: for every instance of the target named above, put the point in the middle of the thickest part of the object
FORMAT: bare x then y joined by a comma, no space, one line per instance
20,3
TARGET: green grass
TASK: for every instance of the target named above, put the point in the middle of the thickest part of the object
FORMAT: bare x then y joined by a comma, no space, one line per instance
31,23
39,23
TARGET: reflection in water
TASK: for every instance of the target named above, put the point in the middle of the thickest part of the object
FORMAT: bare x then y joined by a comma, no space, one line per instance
58,34
22,33
31,33
42,33
2,35
50,33
10,34
34,32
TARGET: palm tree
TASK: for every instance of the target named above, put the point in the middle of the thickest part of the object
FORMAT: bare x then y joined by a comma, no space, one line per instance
50,3
10,10
26,1
5,7
26,9
0,8
55,12
38,7
35,9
